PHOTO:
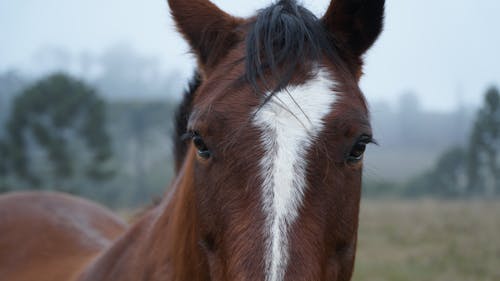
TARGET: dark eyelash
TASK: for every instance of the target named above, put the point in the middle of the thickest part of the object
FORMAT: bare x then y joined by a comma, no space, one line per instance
373,141
188,135
367,139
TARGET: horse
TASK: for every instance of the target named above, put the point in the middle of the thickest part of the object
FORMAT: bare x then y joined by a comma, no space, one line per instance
268,153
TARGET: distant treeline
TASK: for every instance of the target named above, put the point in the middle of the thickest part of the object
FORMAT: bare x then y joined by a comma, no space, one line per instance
471,170
59,134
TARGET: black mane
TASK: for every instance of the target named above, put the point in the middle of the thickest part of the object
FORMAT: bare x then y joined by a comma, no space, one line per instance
283,37
181,120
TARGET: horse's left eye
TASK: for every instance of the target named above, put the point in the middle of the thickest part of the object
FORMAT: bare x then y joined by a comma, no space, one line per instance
358,150
203,150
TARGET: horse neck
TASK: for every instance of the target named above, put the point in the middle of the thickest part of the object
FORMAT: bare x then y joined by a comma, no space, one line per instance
163,245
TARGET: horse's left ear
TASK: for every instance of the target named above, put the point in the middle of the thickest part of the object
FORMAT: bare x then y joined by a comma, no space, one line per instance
209,30
355,24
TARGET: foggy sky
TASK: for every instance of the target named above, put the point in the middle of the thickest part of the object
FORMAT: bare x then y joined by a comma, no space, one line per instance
446,51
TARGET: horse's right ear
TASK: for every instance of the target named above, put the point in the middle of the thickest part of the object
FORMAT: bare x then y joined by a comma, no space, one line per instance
209,31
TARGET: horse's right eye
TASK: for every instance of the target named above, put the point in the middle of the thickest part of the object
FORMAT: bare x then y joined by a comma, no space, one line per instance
202,148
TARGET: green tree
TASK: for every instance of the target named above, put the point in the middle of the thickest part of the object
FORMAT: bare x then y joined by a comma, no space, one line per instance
4,155
446,180
63,119
483,168
449,174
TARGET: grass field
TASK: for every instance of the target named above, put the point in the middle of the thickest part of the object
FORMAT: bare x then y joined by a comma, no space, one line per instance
428,241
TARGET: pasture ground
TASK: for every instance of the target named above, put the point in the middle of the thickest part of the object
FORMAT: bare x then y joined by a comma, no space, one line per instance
428,241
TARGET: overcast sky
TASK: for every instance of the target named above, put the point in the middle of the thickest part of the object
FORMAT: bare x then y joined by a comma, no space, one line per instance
443,50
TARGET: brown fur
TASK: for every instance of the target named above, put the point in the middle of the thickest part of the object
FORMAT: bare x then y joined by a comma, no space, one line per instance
210,224
47,236
209,30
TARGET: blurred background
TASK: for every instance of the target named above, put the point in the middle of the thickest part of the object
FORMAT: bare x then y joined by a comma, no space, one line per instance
88,90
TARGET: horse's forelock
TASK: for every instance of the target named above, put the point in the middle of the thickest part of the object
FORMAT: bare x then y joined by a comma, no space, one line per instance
282,37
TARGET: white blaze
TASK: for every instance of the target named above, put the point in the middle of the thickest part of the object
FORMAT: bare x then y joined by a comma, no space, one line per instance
290,123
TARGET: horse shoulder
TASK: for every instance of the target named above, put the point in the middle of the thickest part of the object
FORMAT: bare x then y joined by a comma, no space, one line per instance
51,236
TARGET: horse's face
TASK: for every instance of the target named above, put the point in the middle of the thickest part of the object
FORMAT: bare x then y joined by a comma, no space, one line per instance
277,175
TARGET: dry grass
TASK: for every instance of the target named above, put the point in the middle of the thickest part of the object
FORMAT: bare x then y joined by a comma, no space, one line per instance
429,241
